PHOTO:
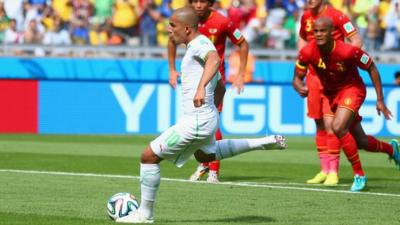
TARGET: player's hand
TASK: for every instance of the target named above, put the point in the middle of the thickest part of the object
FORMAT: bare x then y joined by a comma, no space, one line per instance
381,108
302,90
199,97
173,78
238,83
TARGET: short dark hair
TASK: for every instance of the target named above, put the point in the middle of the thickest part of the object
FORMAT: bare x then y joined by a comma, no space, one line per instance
397,74
209,1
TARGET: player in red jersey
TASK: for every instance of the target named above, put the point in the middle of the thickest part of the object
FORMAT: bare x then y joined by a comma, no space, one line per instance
335,63
318,107
217,28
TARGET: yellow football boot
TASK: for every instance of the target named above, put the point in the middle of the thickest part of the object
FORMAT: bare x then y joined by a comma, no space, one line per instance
318,179
332,179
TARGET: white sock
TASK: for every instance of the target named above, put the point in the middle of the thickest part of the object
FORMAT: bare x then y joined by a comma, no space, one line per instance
149,183
230,147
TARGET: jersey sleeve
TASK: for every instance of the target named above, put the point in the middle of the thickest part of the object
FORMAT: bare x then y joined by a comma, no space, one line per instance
302,60
361,58
204,46
345,25
302,32
234,33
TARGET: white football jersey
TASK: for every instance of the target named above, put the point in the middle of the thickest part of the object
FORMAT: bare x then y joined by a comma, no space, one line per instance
192,68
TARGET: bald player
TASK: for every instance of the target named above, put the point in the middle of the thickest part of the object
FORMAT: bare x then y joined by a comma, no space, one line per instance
194,133
336,65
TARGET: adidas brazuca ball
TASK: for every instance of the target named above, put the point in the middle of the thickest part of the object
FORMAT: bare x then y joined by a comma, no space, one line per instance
121,204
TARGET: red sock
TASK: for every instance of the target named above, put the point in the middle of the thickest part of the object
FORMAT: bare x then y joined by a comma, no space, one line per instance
321,142
334,153
214,165
350,149
375,145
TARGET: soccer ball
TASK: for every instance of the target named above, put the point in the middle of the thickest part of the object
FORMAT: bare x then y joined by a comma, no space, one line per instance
121,204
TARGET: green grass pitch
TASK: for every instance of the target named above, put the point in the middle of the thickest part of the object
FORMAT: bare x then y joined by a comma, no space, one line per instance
263,187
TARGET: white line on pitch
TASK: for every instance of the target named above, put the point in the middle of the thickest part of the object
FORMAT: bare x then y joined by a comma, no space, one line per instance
241,184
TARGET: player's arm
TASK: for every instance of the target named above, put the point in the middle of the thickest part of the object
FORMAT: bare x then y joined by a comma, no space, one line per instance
301,43
355,40
298,79
173,74
219,93
211,66
376,80
243,55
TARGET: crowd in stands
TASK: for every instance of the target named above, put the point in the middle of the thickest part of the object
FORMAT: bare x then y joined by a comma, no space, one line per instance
264,23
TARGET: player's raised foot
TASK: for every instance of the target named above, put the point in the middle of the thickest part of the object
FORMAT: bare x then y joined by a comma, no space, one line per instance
212,177
134,217
396,154
318,179
359,183
274,142
199,173
332,179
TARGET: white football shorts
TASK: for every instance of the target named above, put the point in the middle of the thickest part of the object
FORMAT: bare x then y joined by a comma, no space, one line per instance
178,143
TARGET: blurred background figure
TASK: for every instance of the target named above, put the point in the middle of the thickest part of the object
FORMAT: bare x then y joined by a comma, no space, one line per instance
4,22
234,62
57,36
125,19
12,35
392,19
397,78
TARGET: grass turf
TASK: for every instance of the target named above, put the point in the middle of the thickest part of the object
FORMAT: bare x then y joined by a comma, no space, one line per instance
31,198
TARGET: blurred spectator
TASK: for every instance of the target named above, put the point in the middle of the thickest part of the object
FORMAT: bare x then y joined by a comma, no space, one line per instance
103,9
291,26
38,3
125,17
397,78
218,6
149,16
391,40
57,36
63,8
241,12
371,41
80,32
82,11
114,38
34,12
14,9
4,22
277,34
360,11
178,4
384,7
97,34
32,34
12,35
234,62
252,31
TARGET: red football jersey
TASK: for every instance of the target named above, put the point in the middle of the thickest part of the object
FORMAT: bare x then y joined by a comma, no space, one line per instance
342,26
217,28
338,69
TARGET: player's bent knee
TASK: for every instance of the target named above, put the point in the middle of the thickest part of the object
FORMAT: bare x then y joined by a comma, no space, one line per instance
203,157
148,156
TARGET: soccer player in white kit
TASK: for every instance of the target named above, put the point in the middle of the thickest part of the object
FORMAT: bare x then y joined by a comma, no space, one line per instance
194,132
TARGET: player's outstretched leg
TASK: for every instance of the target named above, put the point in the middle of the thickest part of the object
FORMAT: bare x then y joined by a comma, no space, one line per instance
230,147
